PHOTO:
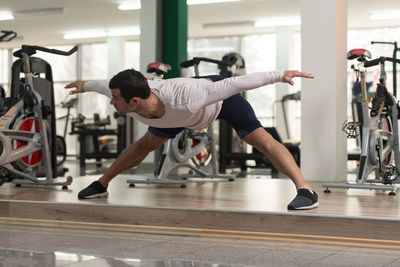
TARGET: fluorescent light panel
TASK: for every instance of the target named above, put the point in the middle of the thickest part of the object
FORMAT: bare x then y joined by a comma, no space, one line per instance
85,34
6,16
39,12
212,49
384,15
124,32
228,24
201,2
101,33
132,6
278,21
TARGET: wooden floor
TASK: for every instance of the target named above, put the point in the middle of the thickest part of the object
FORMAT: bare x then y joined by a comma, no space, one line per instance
253,204
244,194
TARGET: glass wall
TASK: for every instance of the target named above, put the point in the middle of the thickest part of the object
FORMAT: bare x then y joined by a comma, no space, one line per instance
294,107
214,48
4,67
94,67
259,52
132,55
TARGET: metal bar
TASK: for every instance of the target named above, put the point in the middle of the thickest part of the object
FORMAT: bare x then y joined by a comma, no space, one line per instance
360,186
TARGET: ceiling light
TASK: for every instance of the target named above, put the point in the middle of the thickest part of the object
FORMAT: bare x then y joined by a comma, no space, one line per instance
6,16
200,2
212,49
131,6
137,5
278,21
124,32
384,15
101,33
39,12
228,24
85,34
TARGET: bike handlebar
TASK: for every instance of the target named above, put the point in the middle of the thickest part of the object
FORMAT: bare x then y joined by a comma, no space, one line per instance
31,50
374,62
196,61
379,42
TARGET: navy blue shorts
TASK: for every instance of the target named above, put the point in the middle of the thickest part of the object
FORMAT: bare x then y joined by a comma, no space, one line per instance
235,110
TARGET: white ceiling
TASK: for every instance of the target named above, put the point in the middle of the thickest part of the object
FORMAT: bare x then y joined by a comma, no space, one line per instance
103,14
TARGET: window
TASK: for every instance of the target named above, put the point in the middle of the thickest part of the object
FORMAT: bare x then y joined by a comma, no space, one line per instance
214,48
4,69
132,55
94,67
259,52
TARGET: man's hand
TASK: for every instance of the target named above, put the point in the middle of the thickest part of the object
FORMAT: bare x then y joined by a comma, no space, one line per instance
288,76
78,85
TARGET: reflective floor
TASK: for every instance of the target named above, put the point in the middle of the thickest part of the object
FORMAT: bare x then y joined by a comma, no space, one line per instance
9,257
38,246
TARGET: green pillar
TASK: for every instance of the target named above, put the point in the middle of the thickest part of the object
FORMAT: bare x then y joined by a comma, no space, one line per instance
174,35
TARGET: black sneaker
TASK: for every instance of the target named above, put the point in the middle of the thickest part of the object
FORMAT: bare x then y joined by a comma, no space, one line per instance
304,200
94,190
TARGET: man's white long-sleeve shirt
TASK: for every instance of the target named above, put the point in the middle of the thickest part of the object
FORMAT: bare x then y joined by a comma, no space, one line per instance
192,103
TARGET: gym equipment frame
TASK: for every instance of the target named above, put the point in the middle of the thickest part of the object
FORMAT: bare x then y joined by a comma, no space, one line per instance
23,127
379,130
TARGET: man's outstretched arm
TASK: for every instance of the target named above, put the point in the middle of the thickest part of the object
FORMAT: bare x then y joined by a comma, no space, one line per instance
216,91
132,156
79,87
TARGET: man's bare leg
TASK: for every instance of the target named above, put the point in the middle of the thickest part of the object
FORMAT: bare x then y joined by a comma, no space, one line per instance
277,154
280,157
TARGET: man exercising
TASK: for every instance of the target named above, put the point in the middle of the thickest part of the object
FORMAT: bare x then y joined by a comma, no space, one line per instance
168,106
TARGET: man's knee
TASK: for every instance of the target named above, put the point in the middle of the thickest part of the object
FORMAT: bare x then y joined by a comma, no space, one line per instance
262,140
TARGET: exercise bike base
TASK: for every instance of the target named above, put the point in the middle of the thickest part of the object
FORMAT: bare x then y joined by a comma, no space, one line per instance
44,181
360,186
156,181
211,176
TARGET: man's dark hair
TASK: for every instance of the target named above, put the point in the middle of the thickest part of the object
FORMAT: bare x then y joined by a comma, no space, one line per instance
130,83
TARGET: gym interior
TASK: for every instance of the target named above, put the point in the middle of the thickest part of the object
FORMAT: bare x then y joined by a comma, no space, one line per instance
205,198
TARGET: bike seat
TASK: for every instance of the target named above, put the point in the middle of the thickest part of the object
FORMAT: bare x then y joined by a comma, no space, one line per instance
358,53
158,67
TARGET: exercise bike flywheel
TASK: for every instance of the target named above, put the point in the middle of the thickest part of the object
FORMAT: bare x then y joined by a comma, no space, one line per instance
29,124
189,146
204,157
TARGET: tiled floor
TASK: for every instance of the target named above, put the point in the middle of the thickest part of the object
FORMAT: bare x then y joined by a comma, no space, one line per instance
34,246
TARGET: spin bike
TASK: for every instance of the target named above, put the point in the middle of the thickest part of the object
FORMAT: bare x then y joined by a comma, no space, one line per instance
24,127
192,149
379,130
